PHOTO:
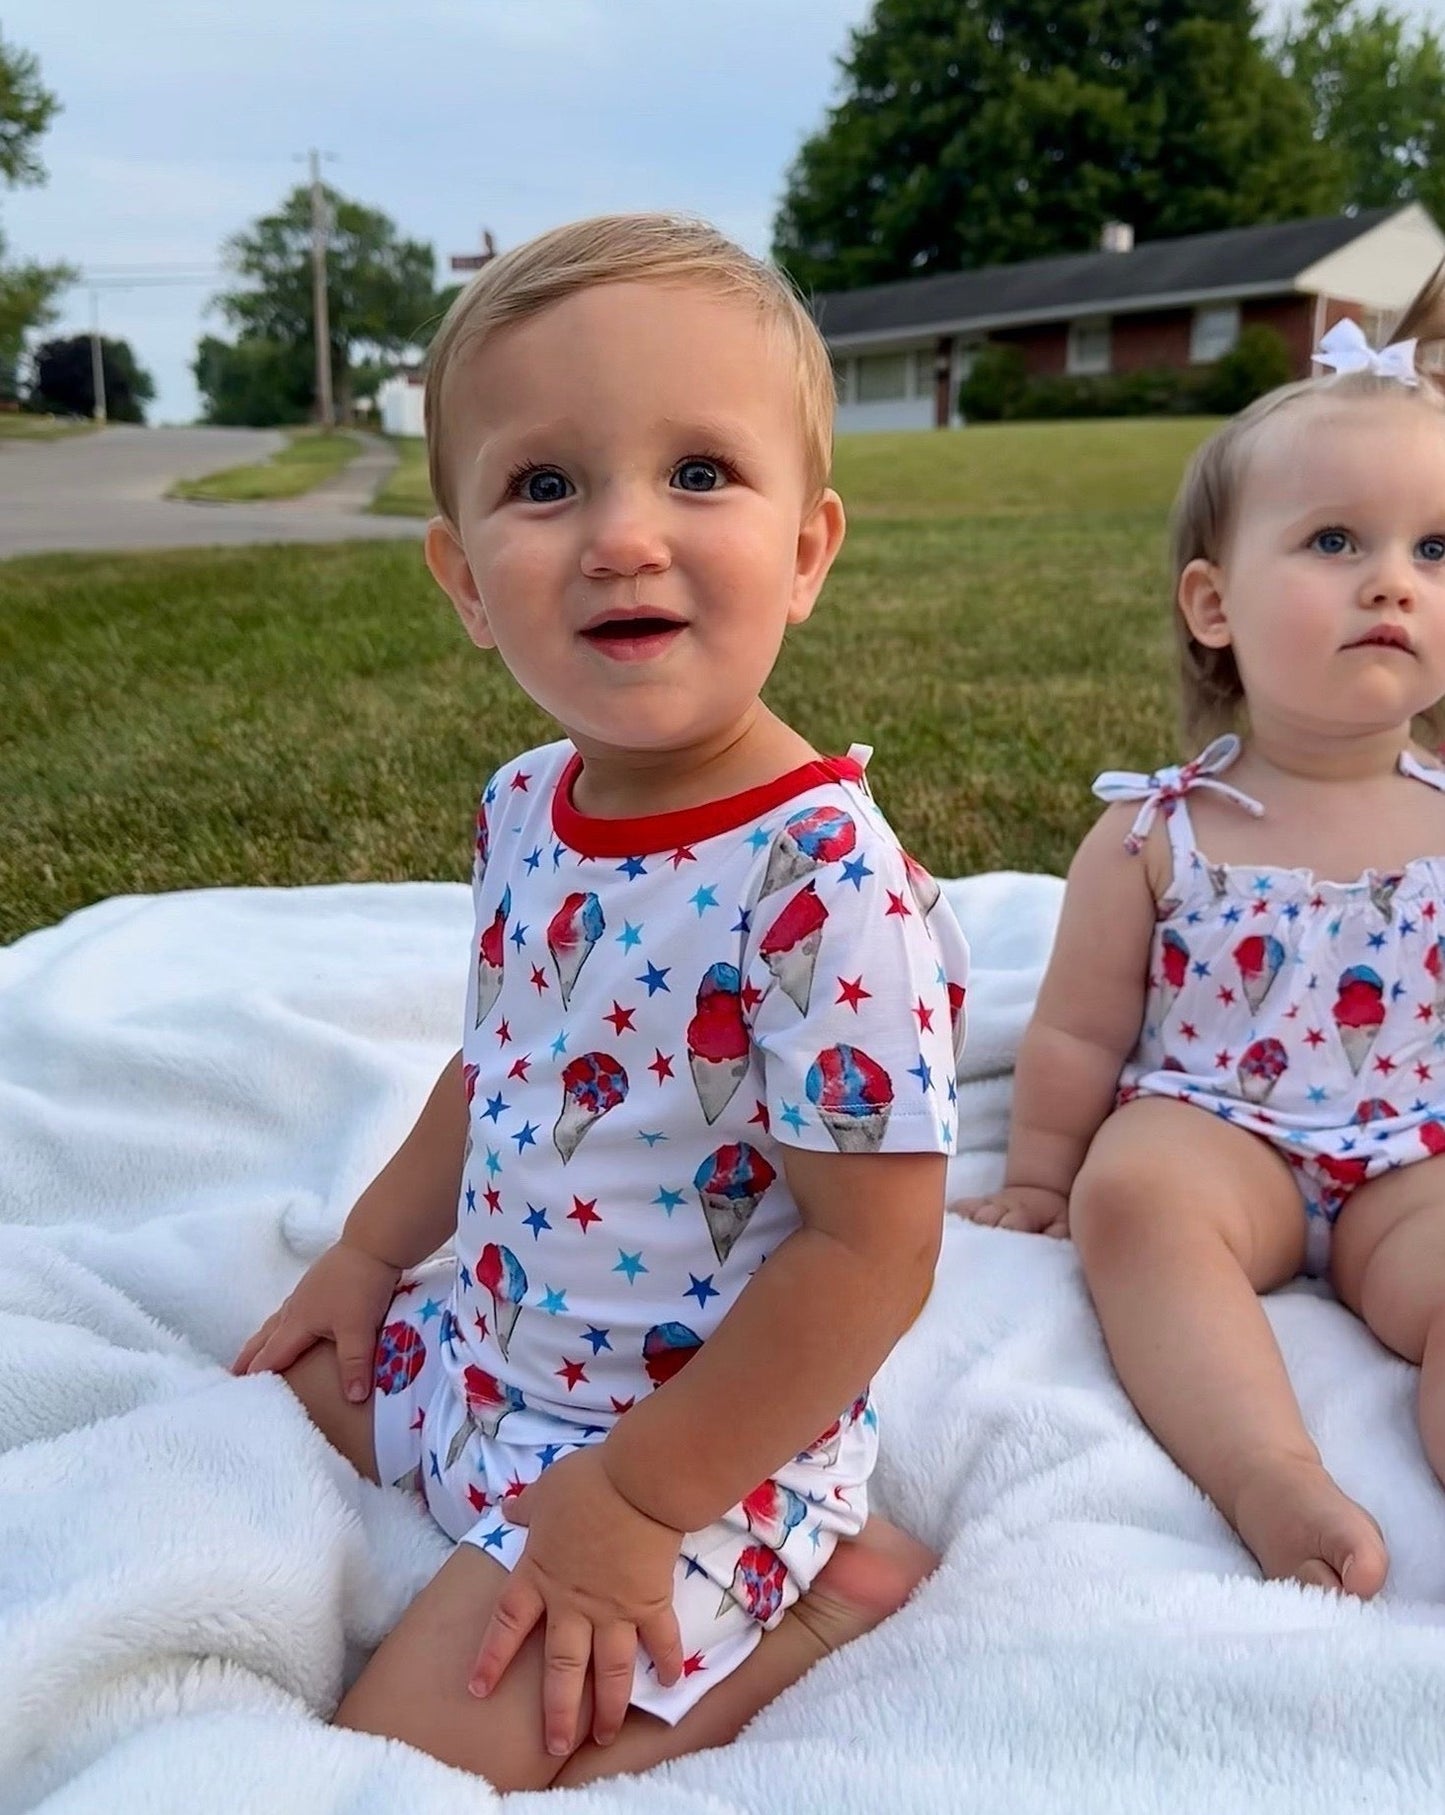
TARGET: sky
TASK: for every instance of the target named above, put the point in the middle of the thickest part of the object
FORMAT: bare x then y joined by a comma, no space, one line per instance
185,120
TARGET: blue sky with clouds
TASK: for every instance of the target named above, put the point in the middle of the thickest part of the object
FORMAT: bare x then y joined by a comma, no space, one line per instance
183,120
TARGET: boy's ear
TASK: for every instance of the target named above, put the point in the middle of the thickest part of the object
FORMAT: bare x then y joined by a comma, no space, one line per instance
1202,603
819,540
451,570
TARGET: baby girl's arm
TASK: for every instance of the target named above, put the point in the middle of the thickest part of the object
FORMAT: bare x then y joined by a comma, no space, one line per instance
1084,1026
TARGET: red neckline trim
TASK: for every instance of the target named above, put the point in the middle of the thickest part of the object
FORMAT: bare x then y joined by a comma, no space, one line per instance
654,832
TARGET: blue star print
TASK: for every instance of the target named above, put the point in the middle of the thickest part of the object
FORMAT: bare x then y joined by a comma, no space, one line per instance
630,1264
701,1289
854,870
632,868
668,1200
536,1220
656,979
525,1136
629,936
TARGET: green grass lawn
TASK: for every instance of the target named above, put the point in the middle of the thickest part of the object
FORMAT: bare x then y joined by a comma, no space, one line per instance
309,458
996,626
17,427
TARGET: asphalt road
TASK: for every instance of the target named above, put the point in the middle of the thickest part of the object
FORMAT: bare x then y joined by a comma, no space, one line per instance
107,490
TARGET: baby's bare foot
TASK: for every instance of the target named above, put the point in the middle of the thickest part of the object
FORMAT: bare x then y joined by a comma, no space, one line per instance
1298,1523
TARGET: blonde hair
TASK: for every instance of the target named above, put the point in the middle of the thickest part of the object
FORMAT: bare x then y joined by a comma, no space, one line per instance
626,248
1207,504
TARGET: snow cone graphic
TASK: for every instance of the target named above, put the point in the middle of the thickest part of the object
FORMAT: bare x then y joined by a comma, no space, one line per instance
491,952
730,1184
853,1096
790,946
758,1582
666,1350
1173,967
571,934
923,887
825,1446
1344,1175
482,840
1382,894
1261,1068
816,836
772,1511
1259,959
400,1353
1359,1012
488,1403
1435,966
591,1085
1375,1109
717,1040
1432,1136
958,1018
500,1274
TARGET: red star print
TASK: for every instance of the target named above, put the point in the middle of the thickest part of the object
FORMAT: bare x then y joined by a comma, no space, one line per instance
1226,996
1422,1072
1428,911
572,1372
897,905
418,1421
583,1212
479,1500
1223,1059
1291,1014
1188,1031
925,1017
1384,1065
1318,901
407,1285
691,1665
519,783
519,1067
1260,907
504,1034
621,1018
661,1064
481,1324
539,978
1424,1012
494,1200
751,997
622,1405
1313,1037
515,1486
760,1116
852,993
683,854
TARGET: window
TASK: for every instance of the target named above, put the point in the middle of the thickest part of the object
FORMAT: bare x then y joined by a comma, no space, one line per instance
842,374
1214,332
882,377
1090,346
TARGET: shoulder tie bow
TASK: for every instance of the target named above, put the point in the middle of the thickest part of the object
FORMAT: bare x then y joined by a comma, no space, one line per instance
1164,787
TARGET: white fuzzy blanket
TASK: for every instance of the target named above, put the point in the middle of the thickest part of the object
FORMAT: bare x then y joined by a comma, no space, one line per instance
193,1088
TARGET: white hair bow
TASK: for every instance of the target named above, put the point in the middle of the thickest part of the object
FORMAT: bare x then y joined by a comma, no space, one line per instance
1346,349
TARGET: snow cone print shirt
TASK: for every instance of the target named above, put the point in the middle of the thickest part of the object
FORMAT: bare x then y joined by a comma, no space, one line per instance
655,1007
1310,1012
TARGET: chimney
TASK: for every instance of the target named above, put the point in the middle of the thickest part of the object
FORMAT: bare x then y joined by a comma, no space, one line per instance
1116,236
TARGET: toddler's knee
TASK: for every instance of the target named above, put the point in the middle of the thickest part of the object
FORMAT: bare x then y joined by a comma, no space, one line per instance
1111,1210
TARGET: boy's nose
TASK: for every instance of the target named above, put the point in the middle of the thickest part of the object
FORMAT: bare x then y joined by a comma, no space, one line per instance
624,539
1390,582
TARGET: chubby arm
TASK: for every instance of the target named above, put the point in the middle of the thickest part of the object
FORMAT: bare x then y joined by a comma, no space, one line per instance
802,1340
1084,1027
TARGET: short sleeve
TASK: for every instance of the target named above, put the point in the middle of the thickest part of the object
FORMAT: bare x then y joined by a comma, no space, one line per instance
856,978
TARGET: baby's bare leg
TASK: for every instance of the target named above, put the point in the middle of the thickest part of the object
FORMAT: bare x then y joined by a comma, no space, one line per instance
1181,1221
314,1379
1389,1267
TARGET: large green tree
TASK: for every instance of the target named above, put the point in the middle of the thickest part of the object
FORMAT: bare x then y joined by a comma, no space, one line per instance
379,285
65,379
975,132
1375,85
27,290
253,382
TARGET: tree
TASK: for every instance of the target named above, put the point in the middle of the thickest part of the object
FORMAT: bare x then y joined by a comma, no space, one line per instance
976,132
379,285
1375,92
255,383
65,382
27,291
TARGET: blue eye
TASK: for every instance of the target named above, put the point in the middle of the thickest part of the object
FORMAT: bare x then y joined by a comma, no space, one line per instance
540,485
1431,548
1332,542
698,476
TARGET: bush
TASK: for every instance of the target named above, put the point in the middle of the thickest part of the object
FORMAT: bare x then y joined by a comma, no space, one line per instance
994,386
1258,362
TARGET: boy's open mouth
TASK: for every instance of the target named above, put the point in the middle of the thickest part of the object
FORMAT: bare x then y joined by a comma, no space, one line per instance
633,635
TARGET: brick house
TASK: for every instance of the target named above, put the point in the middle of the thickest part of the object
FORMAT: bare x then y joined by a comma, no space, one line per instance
901,350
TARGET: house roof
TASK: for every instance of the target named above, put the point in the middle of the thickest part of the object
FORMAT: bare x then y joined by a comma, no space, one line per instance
1238,261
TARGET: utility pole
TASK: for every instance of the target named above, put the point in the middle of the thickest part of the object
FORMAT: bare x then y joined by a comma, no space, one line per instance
97,360
320,234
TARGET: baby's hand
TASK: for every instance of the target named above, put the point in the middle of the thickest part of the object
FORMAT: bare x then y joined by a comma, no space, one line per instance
343,1297
600,1574
1028,1208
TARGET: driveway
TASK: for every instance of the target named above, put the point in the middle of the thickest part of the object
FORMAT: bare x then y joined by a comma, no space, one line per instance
107,490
